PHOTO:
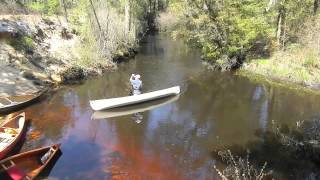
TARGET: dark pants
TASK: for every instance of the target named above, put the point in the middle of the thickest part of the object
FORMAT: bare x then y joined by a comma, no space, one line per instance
134,92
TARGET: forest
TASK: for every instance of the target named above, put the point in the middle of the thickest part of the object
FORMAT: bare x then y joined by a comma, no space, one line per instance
273,38
276,38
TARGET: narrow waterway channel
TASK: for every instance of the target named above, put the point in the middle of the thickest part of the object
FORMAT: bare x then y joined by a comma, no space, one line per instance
174,141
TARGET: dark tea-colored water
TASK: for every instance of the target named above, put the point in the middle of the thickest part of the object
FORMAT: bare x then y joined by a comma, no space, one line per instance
172,141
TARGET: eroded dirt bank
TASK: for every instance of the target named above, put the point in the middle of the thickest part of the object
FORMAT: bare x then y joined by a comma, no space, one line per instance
37,52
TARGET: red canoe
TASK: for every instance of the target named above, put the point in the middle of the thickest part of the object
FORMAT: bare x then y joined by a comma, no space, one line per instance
28,165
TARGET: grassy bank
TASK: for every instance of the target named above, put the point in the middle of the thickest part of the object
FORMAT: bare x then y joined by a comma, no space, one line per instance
104,32
298,65
278,40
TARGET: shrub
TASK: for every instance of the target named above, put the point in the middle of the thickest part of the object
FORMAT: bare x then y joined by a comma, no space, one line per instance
22,43
239,168
48,7
72,74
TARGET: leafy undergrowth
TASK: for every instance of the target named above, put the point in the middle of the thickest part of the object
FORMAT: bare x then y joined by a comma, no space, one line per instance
298,63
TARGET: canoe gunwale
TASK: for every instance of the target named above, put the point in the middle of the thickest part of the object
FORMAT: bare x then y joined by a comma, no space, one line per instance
17,138
136,108
111,103
18,105
33,152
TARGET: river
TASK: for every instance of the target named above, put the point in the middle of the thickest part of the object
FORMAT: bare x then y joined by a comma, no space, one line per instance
173,141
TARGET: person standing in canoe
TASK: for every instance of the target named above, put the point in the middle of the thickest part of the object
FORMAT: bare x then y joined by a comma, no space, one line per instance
136,84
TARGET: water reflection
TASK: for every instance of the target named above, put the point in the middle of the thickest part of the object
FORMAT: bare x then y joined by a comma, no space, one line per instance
174,140
136,110
137,117
257,93
286,161
50,123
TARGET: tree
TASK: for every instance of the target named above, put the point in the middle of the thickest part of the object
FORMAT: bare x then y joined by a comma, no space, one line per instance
65,10
95,15
281,22
315,6
127,15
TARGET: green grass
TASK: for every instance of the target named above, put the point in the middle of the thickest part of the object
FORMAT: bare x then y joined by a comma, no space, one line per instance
299,66
90,57
22,43
49,8
258,78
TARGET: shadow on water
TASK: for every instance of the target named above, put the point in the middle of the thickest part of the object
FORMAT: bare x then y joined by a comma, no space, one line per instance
290,153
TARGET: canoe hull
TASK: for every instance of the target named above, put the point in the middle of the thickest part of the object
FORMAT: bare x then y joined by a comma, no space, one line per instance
11,146
29,156
103,104
19,105
138,108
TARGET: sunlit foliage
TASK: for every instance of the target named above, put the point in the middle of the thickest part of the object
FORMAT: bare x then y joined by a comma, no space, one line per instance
228,31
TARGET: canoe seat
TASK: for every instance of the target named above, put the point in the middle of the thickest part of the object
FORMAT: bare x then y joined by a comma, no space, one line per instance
5,139
14,172
8,130
7,135
46,156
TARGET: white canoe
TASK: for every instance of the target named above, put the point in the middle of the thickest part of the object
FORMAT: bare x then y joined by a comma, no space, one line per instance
138,108
102,104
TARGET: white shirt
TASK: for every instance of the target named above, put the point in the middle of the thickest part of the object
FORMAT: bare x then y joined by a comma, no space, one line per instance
136,83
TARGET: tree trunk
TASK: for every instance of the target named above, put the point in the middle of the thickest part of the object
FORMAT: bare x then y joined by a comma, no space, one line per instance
281,26
315,6
130,17
154,6
46,7
157,5
65,10
127,16
150,5
166,4
270,4
151,15
95,15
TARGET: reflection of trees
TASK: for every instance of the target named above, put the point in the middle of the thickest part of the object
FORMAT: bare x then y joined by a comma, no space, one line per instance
174,139
80,160
260,103
182,143
51,116
238,107
222,106
290,106
111,84
288,152
178,65
222,100
131,156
